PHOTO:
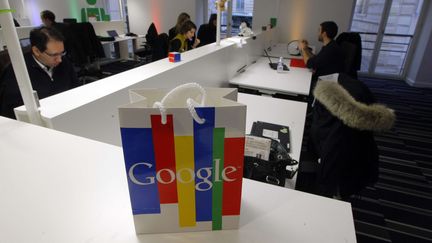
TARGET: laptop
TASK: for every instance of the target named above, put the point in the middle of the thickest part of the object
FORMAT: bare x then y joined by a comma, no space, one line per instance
25,42
112,33
273,65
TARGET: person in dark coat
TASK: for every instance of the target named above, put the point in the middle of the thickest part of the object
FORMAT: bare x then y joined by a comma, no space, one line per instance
345,116
207,32
50,72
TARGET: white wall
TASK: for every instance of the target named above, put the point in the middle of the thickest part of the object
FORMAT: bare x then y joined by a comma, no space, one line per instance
263,11
300,19
29,10
420,70
162,12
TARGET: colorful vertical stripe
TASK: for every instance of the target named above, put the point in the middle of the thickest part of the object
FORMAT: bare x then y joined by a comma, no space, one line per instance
163,140
203,147
184,155
140,164
218,166
234,154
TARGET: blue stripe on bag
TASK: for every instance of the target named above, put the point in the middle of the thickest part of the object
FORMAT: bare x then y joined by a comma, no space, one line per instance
203,147
141,170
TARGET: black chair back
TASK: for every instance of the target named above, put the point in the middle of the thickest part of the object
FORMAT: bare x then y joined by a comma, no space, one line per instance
350,43
160,47
152,35
85,46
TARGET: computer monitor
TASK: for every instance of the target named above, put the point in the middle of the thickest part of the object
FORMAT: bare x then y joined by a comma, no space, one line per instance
273,65
25,42
112,33
70,21
267,55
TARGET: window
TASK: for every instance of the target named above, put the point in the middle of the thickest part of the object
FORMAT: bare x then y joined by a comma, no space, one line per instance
387,30
239,5
112,7
241,11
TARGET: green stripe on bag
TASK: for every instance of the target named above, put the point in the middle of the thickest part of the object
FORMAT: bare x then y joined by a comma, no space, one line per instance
218,155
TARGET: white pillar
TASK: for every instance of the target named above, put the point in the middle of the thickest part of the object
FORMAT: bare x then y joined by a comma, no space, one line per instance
17,59
218,26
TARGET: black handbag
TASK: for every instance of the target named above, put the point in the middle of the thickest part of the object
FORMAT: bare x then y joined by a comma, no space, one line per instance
273,171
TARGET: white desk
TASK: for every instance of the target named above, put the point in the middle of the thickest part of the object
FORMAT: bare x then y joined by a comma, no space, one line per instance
57,187
259,76
278,111
121,45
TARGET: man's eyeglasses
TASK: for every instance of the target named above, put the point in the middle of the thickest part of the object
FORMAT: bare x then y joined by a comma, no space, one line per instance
62,54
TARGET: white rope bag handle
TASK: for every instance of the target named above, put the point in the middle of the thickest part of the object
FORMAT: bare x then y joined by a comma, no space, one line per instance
191,103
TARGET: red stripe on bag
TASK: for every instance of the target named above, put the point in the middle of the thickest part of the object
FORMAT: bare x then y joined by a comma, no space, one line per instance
234,152
163,140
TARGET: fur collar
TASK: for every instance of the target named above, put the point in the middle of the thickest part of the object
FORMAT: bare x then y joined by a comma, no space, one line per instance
354,114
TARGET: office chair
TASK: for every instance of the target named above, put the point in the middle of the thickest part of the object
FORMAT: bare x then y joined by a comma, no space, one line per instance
160,47
70,21
4,64
351,45
85,51
145,53
349,50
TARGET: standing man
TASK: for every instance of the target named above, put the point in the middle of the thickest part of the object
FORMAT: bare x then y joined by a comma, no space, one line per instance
330,59
49,72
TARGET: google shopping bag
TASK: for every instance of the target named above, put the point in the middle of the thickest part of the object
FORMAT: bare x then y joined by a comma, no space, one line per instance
183,152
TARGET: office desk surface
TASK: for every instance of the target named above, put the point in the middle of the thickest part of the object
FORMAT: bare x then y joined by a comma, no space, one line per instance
278,111
122,49
122,38
261,77
57,187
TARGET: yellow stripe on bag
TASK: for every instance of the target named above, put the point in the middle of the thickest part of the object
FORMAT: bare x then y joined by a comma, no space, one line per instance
184,155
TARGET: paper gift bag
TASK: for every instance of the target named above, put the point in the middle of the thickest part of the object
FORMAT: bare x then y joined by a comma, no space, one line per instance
183,152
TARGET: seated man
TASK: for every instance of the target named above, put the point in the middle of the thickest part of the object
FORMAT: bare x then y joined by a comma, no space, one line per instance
330,59
49,72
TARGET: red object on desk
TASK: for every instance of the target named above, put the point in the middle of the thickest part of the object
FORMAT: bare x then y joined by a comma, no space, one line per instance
298,63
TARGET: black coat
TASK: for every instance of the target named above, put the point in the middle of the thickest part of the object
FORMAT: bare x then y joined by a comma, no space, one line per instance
329,60
64,78
206,34
344,118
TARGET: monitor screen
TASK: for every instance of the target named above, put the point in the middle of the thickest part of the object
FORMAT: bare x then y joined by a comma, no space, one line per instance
70,21
25,42
112,33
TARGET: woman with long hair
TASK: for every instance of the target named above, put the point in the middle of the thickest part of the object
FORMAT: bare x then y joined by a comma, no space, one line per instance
186,33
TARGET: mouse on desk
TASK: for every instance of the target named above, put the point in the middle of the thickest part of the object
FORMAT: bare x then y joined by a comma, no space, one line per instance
131,34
